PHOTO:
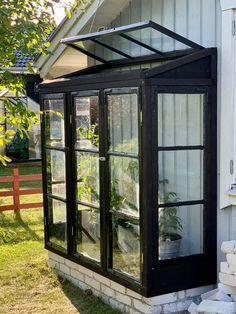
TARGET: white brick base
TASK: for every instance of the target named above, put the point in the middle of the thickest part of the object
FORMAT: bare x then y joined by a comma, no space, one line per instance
121,298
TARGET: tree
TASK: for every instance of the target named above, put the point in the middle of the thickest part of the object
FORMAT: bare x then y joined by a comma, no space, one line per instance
24,26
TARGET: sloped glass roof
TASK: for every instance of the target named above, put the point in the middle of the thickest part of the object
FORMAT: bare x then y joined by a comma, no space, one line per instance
134,43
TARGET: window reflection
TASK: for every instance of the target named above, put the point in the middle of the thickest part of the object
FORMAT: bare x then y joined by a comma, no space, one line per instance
126,246
123,123
54,122
180,231
88,232
57,220
87,132
88,178
56,173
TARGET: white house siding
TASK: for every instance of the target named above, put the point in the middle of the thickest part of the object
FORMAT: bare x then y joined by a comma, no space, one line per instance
200,21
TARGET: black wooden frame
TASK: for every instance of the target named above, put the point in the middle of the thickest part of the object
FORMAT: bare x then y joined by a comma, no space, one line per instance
195,73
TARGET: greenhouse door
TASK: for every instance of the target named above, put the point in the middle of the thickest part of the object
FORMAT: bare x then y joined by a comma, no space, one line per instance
106,167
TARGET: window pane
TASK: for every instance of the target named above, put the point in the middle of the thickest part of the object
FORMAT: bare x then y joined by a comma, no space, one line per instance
126,246
57,222
124,185
56,176
180,176
180,231
123,123
86,111
54,122
180,119
88,178
88,232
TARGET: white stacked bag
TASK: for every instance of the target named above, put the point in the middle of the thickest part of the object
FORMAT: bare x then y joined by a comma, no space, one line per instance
223,299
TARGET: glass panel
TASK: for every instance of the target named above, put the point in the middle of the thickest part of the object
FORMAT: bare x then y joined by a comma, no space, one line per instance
88,178
126,246
180,231
57,222
180,176
123,123
88,232
56,176
124,185
54,122
157,40
86,111
180,119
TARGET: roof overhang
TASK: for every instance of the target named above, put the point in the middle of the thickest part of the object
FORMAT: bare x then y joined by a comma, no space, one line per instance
80,22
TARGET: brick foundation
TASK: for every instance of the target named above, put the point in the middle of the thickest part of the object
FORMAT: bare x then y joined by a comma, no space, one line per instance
121,298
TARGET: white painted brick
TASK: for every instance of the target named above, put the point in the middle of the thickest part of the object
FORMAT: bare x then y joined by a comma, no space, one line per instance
183,305
208,306
85,271
71,264
227,289
107,291
181,294
65,269
53,264
224,268
56,257
156,310
129,310
117,287
123,298
231,258
228,247
227,279
83,285
102,279
161,299
170,308
232,268
133,294
142,307
117,305
208,294
76,274
92,283
198,291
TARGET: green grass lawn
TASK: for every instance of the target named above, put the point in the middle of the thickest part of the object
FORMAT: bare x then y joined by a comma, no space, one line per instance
27,284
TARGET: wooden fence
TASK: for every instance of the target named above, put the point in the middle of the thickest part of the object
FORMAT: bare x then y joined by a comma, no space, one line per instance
16,191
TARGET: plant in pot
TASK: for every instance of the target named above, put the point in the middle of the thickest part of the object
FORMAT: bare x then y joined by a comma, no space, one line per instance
170,225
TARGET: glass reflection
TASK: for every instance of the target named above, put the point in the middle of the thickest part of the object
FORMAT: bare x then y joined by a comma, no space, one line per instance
88,178
124,185
56,173
180,231
57,220
126,246
180,175
180,119
123,123
87,131
88,232
54,122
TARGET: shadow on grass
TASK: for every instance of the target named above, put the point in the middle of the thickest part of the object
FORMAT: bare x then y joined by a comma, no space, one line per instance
84,301
13,229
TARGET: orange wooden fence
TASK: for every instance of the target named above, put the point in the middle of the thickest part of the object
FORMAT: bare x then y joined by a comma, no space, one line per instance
16,191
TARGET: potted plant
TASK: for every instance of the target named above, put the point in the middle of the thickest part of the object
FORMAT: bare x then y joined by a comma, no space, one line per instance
169,227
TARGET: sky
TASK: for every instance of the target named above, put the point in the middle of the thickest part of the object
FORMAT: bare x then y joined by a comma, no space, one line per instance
59,13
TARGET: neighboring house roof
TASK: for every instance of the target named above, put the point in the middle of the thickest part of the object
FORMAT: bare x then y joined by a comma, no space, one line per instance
22,61
51,64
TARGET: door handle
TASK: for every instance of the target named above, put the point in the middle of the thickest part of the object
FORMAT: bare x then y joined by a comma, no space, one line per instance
102,158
